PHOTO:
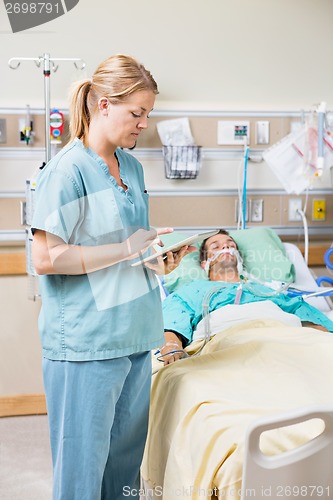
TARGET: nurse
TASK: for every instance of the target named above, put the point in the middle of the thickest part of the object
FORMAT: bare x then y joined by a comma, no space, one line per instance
100,316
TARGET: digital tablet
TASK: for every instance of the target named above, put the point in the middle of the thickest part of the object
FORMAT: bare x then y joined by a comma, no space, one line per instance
176,246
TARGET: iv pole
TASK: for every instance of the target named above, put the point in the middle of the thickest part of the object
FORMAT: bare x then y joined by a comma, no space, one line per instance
48,62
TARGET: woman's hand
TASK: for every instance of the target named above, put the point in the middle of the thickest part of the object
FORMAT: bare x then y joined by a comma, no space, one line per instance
142,239
172,349
173,259
170,261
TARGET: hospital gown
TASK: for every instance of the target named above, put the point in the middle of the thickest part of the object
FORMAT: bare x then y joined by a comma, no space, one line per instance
183,309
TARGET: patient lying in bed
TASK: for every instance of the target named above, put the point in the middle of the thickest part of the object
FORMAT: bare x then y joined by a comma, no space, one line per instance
241,299
202,406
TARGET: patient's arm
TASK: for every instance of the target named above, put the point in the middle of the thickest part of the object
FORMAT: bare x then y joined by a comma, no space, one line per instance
313,325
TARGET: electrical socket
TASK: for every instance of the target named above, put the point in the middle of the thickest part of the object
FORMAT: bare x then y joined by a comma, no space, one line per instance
257,210
23,213
294,205
3,133
262,132
319,209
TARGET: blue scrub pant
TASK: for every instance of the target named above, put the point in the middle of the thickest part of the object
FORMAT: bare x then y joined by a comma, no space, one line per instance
98,418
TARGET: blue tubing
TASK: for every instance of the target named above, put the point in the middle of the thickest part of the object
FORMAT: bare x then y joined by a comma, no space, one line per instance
327,256
324,279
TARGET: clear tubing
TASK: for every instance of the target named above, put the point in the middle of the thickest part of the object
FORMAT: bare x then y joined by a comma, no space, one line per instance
240,210
244,283
205,312
246,158
321,122
273,293
306,235
231,251
324,292
209,295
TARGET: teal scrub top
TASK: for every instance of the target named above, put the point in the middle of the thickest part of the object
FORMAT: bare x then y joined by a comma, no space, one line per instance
109,313
183,309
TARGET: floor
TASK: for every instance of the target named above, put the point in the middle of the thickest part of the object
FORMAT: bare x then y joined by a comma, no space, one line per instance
25,458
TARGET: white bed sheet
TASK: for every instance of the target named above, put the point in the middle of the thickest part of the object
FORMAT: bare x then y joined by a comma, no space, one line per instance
234,314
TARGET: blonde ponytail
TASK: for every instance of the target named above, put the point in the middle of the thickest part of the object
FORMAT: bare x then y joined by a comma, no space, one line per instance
79,112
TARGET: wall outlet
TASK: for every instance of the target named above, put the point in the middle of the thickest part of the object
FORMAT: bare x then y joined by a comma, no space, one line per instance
319,209
3,132
295,204
257,210
262,132
23,213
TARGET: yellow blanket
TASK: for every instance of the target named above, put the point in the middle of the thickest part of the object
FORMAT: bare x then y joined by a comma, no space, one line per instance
201,406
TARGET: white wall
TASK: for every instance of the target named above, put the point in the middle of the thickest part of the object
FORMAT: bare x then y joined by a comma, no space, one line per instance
217,54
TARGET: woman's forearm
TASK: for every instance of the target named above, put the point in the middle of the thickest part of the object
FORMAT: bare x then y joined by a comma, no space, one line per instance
75,259
52,256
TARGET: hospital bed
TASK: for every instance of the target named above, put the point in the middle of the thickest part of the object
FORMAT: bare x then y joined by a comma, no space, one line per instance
202,406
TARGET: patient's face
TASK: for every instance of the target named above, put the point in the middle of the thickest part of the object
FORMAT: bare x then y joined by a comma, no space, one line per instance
221,242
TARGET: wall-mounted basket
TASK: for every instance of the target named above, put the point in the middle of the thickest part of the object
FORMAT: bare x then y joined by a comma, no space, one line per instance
182,162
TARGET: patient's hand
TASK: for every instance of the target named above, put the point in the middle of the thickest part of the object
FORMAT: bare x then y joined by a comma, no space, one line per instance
172,343
313,325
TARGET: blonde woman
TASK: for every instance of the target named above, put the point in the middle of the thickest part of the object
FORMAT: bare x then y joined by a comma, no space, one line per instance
100,316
